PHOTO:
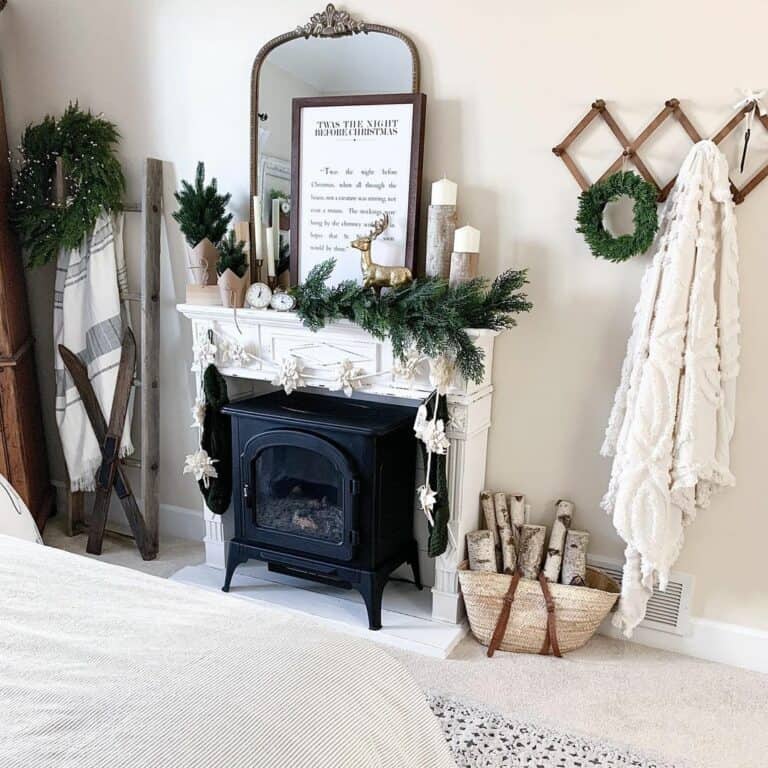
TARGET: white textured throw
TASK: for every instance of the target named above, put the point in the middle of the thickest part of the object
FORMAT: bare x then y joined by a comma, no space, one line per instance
87,319
103,667
673,418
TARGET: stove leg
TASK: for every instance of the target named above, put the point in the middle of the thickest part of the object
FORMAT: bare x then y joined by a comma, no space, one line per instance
235,557
371,588
413,561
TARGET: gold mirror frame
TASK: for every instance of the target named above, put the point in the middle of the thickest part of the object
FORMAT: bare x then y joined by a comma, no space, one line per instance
330,23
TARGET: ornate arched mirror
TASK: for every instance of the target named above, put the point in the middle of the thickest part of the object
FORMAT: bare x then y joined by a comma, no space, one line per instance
336,142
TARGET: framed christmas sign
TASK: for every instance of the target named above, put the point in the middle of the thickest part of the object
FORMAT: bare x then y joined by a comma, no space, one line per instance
354,159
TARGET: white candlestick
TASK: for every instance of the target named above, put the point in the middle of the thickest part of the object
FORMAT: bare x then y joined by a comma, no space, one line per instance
444,192
467,240
258,239
275,234
270,252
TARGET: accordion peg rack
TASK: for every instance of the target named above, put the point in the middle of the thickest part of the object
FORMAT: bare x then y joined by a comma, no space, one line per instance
630,147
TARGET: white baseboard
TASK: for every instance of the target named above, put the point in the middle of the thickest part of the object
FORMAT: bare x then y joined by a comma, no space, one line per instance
718,641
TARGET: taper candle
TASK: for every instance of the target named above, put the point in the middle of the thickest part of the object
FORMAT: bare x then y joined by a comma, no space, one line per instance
258,236
270,252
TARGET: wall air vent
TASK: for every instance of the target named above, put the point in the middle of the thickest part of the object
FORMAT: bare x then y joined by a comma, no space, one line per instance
668,611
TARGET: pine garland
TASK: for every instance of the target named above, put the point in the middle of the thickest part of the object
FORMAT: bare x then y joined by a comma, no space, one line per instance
93,176
232,255
428,314
202,210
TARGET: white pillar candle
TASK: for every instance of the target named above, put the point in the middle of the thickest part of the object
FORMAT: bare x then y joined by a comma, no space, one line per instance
466,240
444,192
258,239
270,252
275,234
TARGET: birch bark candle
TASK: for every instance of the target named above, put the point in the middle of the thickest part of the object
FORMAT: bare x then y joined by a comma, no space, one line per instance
466,255
575,559
441,227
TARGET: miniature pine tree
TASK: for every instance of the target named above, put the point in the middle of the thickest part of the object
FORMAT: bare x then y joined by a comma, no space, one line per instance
231,255
202,210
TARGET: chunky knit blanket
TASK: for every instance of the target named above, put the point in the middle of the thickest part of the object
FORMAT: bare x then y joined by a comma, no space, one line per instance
673,416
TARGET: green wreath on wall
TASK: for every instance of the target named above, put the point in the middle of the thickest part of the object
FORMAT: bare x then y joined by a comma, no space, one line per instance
94,182
592,203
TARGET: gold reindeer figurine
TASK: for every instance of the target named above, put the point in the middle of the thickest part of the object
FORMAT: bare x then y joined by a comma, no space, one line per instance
378,276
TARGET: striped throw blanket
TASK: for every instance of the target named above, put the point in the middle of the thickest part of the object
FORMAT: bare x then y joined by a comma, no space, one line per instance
88,318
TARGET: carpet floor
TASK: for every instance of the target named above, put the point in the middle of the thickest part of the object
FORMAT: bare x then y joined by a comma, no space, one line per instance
670,708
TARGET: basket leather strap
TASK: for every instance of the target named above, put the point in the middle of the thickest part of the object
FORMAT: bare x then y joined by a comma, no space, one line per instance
503,620
551,635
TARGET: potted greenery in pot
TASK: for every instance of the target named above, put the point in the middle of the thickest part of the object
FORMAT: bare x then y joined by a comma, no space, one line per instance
203,220
232,268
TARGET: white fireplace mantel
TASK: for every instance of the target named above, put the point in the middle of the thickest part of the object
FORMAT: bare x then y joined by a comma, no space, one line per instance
267,337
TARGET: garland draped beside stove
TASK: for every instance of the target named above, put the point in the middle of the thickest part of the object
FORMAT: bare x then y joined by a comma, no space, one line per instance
324,490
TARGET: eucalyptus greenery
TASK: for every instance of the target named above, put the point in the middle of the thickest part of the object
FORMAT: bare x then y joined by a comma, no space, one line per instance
428,314
592,204
94,182
231,255
202,210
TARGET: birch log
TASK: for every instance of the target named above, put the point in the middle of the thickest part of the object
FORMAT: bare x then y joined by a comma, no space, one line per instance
575,559
563,516
508,550
516,504
489,513
502,512
531,551
482,555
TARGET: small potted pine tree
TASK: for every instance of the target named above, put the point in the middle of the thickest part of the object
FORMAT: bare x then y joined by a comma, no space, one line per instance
232,268
203,220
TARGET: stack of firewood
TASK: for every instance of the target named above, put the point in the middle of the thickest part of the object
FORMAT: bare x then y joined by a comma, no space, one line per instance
509,541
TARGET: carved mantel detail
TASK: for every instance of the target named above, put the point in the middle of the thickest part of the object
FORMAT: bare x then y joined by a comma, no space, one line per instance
328,23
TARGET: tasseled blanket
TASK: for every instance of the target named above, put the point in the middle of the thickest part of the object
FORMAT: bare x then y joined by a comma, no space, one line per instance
673,417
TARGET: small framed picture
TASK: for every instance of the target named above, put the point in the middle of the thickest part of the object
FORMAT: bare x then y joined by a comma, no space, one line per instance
355,158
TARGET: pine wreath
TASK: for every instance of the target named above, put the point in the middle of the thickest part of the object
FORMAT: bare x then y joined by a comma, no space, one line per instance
592,204
94,178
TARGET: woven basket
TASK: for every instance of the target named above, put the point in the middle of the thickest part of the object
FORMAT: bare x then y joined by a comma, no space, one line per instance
578,610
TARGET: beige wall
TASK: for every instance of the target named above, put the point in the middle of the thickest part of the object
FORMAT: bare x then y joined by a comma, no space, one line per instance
505,82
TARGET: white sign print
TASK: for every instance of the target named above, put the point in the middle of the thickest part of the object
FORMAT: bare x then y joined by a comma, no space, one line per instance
355,166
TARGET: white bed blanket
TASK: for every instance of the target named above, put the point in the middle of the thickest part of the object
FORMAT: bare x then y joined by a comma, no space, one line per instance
104,666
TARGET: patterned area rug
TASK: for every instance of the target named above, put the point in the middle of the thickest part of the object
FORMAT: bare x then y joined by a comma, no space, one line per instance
482,739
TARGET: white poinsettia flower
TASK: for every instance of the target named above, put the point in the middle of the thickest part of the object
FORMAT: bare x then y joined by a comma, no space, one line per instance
198,413
427,500
347,377
434,437
205,352
289,374
235,354
200,464
441,373
406,367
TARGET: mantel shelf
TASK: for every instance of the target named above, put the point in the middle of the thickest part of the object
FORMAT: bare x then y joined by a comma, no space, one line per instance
271,335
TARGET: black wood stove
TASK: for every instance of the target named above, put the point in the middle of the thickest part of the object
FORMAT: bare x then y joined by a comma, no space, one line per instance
324,490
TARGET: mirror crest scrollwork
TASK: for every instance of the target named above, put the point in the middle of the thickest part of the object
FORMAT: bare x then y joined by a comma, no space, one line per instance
354,57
